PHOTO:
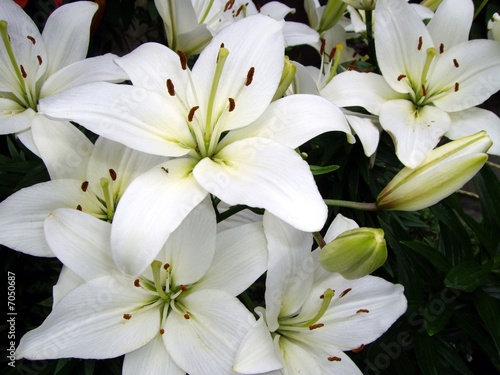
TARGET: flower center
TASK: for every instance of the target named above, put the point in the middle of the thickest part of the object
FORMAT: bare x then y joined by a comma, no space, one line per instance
108,201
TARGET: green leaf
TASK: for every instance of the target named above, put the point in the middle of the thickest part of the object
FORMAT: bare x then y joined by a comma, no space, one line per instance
489,311
437,315
451,357
426,355
468,276
437,259
318,170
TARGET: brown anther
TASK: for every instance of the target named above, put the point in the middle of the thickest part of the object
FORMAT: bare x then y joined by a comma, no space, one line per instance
31,39
420,42
332,53
112,174
170,87
455,62
166,266
401,76
222,45
358,349
23,72
362,311
345,292
162,331
239,10
232,104
183,288
441,48
334,359
39,58
456,86
228,5
322,49
79,208
187,316
183,58
127,316
424,91
137,283
250,74
84,186
314,326
191,113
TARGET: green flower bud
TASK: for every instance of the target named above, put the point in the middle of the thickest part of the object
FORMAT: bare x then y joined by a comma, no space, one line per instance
361,4
355,253
334,10
445,170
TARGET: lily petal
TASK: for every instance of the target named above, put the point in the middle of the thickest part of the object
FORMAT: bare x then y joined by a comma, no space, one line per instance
414,133
366,130
155,202
339,225
14,117
67,281
71,45
297,360
89,323
261,173
240,256
207,342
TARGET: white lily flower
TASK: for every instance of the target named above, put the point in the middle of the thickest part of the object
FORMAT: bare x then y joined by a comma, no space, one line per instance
218,123
314,316
432,79
180,315
191,24
35,66
94,184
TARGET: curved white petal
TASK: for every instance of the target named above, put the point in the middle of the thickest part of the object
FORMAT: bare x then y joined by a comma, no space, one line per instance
138,118
240,258
290,269
367,90
151,359
94,69
155,203
14,117
297,360
190,248
67,281
261,50
470,73
288,121
66,34
261,173
88,323
207,342
64,149
297,33
22,214
276,10
338,226
366,130
401,42
451,23
414,133
471,121
80,242
256,354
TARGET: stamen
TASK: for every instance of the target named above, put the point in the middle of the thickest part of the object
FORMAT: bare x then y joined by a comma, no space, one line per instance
317,325
420,42
85,185
108,198
358,349
336,55
431,53
170,87
191,113
187,316
137,283
345,292
31,39
79,208
250,74
155,267
334,359
23,72
401,76
166,266
240,9
456,86
228,5
183,288
39,58
162,331
455,62
362,311
183,58
323,45
127,316
232,104
441,48
424,91
112,174
222,45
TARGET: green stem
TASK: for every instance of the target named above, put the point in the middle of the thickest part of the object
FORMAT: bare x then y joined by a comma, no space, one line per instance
369,36
480,8
319,239
349,204
230,212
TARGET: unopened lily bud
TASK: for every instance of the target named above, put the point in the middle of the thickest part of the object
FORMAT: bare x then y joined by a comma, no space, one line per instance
355,253
334,10
361,4
431,4
287,77
494,27
445,170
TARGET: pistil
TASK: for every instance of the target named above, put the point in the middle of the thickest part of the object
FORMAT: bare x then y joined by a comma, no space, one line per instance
156,268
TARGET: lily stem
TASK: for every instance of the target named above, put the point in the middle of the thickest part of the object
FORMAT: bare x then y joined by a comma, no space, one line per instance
369,37
350,204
